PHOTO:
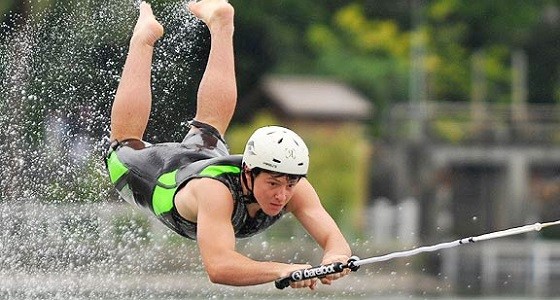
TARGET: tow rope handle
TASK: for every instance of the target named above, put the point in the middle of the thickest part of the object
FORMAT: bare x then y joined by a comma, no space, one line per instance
316,272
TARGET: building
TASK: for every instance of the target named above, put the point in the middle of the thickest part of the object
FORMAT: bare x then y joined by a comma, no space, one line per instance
476,170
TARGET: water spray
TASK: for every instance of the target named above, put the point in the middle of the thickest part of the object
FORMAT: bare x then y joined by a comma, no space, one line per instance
355,262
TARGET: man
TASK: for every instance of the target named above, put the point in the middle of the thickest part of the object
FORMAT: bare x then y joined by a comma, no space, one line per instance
196,187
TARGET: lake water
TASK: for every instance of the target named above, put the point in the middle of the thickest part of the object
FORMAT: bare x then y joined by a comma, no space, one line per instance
111,251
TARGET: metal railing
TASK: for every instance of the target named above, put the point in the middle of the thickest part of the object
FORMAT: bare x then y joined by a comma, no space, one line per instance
521,267
466,123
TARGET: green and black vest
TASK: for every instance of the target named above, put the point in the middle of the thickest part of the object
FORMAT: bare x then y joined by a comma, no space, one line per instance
150,178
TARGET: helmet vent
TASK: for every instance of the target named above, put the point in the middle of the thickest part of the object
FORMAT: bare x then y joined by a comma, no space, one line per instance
295,141
276,161
280,140
300,164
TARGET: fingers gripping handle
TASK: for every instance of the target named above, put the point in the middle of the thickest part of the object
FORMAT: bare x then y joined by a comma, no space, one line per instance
319,271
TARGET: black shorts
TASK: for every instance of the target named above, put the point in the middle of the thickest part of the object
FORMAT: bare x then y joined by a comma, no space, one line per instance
134,166
200,138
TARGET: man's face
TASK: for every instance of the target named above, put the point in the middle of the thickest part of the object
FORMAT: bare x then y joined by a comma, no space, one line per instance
273,191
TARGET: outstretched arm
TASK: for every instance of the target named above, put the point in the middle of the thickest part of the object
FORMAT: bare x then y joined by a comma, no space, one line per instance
307,208
132,104
216,241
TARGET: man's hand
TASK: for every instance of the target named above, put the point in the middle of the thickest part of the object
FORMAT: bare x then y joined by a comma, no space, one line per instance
310,283
329,259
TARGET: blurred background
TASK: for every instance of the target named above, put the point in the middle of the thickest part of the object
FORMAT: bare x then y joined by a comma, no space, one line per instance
427,121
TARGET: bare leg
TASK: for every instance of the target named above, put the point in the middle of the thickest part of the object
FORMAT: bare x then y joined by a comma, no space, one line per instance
133,101
217,92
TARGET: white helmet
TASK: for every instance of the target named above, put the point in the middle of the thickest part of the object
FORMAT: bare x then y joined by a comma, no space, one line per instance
277,149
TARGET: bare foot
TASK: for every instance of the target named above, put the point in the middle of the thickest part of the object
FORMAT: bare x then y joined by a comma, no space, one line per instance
213,12
147,30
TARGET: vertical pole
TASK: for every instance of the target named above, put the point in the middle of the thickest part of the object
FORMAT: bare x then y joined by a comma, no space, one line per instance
517,190
478,89
417,86
519,87
490,265
541,269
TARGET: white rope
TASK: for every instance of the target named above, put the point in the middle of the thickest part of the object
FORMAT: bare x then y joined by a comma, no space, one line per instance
487,236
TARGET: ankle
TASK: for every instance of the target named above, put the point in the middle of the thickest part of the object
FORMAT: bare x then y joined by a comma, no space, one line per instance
138,40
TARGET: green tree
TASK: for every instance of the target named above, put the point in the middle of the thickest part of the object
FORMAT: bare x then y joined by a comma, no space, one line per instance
370,49
459,28
370,54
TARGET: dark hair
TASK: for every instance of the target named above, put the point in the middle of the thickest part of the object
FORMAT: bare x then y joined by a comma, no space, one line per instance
290,177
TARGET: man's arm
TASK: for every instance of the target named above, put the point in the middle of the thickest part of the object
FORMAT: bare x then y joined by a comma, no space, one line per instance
307,208
216,241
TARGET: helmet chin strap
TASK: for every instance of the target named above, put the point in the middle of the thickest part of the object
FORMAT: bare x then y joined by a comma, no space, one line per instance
249,198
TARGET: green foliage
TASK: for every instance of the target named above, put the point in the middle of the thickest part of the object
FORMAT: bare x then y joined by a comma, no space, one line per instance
339,36
338,170
455,35
451,130
369,54
372,52
269,37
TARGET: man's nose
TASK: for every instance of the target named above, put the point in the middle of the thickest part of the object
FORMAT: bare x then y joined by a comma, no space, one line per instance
282,194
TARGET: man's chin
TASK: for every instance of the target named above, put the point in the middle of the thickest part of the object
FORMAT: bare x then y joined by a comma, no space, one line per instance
273,212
